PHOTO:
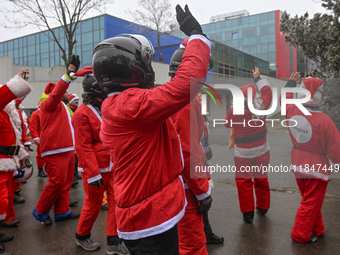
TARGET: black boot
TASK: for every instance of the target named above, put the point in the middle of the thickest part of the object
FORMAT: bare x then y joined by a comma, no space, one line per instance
262,211
3,251
5,238
42,172
214,239
248,217
18,199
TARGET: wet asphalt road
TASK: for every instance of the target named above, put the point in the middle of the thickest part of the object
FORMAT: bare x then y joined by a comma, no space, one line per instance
267,235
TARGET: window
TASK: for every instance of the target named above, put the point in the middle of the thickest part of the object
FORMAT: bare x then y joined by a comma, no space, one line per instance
10,45
235,35
253,49
86,26
45,62
95,23
44,47
271,47
86,38
264,30
31,50
264,48
245,33
228,36
271,29
252,32
31,40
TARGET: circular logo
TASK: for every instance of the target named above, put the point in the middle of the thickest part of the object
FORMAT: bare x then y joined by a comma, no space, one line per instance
302,132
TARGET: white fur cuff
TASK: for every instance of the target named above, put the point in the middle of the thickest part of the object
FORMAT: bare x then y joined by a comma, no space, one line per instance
19,86
262,83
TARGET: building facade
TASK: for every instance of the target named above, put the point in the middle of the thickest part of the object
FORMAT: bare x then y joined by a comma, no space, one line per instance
257,35
39,50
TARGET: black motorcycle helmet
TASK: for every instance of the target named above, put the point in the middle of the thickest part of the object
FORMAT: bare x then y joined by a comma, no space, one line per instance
91,87
176,60
124,59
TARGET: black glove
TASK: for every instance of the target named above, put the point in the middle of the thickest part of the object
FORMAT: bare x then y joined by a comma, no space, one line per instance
188,24
205,205
208,152
97,183
74,61
29,147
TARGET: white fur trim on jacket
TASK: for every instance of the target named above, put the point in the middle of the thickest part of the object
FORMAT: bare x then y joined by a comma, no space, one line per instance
19,86
9,164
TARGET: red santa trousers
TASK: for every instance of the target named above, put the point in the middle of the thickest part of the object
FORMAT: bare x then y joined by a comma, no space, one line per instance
6,193
40,161
93,203
245,184
60,169
191,236
12,187
309,218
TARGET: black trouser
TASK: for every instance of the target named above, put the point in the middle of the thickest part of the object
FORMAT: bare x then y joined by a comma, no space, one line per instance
207,226
75,176
161,244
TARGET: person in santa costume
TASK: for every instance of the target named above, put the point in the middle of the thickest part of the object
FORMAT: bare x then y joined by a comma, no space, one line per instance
35,133
73,101
12,155
142,138
189,123
315,139
95,165
252,149
57,149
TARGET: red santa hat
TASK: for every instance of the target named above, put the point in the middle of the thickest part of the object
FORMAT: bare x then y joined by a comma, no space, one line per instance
244,89
72,97
315,87
49,87
184,43
87,71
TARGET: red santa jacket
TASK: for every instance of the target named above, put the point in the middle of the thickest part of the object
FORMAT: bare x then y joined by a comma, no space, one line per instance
315,137
93,158
57,135
10,121
189,123
251,142
138,131
35,125
25,140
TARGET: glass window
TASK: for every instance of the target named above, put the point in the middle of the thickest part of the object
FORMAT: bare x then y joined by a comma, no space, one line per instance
252,32
264,17
102,35
218,25
271,16
235,43
234,23
272,55
264,48
25,52
228,36
51,45
44,47
31,50
235,35
87,38
264,30
16,53
1,47
51,61
45,62
16,43
271,29
102,22
96,23
87,47
37,38
87,58
252,19
45,55
10,45
239,22
252,40
220,48
271,38
271,47
264,39
245,20
37,49
245,33
253,49
43,37
246,49
31,40
245,41
96,37
86,26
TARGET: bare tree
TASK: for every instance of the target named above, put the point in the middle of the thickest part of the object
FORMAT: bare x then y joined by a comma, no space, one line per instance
45,14
157,16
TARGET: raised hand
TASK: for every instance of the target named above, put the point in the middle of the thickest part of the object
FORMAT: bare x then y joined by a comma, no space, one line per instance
295,76
256,73
188,24
23,73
